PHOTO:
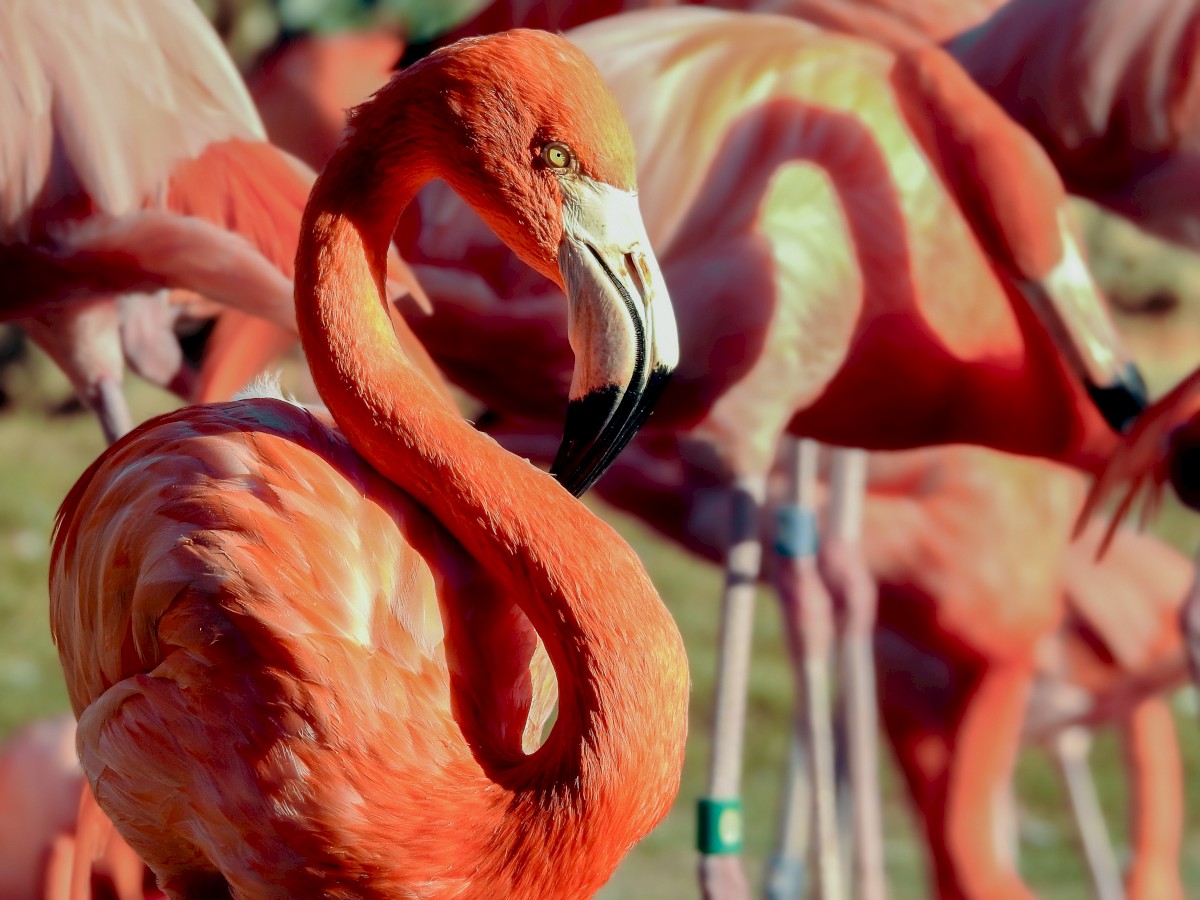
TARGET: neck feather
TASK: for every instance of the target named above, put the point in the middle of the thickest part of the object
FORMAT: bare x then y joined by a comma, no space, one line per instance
617,655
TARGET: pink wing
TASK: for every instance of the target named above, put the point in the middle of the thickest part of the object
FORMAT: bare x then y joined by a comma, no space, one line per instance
102,100
1131,598
898,24
1109,88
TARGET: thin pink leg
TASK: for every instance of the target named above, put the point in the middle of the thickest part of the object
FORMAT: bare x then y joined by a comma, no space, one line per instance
1070,748
720,819
1156,801
808,613
854,592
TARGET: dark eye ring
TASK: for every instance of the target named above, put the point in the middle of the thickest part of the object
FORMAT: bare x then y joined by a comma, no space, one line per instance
557,156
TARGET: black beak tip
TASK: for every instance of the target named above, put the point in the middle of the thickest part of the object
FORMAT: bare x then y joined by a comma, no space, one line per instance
1122,402
599,425
587,418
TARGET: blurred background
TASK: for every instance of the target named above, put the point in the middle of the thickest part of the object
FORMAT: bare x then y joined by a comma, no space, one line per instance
47,440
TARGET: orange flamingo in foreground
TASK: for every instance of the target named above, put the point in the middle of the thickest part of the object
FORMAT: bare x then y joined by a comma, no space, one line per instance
1109,89
308,657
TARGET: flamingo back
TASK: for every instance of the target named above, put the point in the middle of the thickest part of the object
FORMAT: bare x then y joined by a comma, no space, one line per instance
242,557
1130,599
987,584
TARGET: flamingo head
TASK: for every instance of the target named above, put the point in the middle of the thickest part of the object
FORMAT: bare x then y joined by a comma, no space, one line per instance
536,143
1184,462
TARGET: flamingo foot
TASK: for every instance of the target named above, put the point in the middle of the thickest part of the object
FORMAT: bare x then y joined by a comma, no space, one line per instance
785,878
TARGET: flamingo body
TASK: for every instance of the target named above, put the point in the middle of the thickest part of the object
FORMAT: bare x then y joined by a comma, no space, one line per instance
312,664
237,640
123,176
1109,89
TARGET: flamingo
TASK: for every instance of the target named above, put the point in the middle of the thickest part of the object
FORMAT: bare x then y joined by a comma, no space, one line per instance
987,624
1108,89
894,20
52,831
1161,449
303,88
804,135
39,790
893,23
1122,645
297,668
126,175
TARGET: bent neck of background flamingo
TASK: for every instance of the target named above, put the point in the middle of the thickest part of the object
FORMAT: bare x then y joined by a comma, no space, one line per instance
618,658
1035,406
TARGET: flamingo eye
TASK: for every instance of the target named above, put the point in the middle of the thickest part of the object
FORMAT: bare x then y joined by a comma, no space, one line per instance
557,156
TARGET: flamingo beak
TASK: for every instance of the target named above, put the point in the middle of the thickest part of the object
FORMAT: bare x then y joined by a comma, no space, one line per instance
1072,309
620,325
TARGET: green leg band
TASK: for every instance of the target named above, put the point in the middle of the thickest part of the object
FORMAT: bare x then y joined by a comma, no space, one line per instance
720,826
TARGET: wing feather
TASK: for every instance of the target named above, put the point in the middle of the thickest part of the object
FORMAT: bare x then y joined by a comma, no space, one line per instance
81,78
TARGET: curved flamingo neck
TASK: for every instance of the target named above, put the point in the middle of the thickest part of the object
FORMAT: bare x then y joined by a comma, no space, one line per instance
610,767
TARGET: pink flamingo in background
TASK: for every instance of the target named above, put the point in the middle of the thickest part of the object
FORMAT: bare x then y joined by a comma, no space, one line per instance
894,23
303,88
1109,89
50,821
1162,448
299,669
971,609
133,162
964,578
39,793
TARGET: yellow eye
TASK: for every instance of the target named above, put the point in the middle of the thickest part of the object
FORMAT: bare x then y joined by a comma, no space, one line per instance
556,155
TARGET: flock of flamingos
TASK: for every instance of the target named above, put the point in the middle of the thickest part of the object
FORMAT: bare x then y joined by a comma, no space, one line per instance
316,651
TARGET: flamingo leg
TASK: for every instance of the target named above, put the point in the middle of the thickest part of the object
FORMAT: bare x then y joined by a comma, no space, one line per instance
1070,748
1156,789
786,872
922,749
984,752
808,614
854,593
112,410
720,824
1008,839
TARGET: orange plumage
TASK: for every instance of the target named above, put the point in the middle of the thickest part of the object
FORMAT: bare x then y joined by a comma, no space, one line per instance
309,657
